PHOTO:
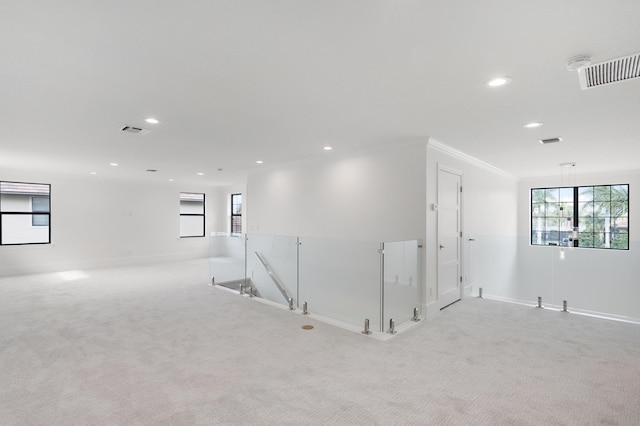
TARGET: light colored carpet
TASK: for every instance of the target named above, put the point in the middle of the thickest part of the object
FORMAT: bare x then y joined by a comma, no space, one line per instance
156,345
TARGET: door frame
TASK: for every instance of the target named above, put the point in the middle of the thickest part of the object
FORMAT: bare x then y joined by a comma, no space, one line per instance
460,173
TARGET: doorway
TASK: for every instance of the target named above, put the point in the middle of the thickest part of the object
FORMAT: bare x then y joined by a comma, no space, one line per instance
449,236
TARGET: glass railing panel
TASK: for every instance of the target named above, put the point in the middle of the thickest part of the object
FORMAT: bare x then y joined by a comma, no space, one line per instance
280,254
401,280
227,259
341,280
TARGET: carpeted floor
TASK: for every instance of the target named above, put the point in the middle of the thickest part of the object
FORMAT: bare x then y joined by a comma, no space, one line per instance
156,345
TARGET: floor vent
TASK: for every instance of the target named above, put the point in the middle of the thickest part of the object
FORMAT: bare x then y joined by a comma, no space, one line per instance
609,72
136,130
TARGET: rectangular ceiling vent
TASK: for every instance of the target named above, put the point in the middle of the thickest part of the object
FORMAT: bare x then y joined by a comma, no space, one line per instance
609,72
550,140
136,130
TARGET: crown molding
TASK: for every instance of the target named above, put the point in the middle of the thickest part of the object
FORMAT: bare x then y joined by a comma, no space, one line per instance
439,146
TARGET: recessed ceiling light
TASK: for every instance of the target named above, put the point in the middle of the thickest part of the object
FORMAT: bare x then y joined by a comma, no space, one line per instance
93,173
170,180
500,81
113,164
259,162
328,148
200,174
152,121
533,125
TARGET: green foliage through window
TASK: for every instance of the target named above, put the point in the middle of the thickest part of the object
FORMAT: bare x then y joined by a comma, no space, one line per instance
581,216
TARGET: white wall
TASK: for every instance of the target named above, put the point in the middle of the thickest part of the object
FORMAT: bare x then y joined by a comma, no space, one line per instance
221,205
377,195
384,195
489,217
595,280
97,222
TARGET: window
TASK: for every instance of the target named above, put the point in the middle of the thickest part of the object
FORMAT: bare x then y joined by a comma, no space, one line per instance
236,213
191,214
25,213
581,216
40,204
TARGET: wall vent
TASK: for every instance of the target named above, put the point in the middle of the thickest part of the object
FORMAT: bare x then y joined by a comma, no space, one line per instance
136,130
609,72
550,140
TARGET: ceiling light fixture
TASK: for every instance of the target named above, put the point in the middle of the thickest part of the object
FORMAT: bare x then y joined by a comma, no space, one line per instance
200,174
500,81
113,164
259,162
93,173
170,180
328,148
533,125
152,121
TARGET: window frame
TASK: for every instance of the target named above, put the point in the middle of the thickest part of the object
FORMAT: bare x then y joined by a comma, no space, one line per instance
30,213
576,217
203,214
39,212
235,215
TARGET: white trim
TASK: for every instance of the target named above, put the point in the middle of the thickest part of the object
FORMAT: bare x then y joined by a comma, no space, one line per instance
550,307
439,146
460,174
431,310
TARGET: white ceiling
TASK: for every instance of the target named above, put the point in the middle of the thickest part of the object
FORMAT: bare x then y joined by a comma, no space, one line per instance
236,81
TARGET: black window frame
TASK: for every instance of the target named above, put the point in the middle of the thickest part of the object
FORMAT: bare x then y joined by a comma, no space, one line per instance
236,218
578,218
203,214
31,213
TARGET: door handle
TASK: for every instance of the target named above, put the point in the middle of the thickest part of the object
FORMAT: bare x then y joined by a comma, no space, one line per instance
441,246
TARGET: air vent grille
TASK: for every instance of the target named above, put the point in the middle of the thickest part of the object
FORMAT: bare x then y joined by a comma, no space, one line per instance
550,140
136,130
609,72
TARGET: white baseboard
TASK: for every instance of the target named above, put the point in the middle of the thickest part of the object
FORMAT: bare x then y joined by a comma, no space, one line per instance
570,310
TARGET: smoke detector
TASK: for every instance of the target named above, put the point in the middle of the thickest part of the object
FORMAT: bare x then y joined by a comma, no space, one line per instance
576,63
136,130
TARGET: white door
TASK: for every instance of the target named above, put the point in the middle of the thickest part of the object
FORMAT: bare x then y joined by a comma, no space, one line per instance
449,237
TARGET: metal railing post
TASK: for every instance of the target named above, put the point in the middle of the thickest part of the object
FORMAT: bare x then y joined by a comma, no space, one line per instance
415,315
366,327
539,302
392,326
304,309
